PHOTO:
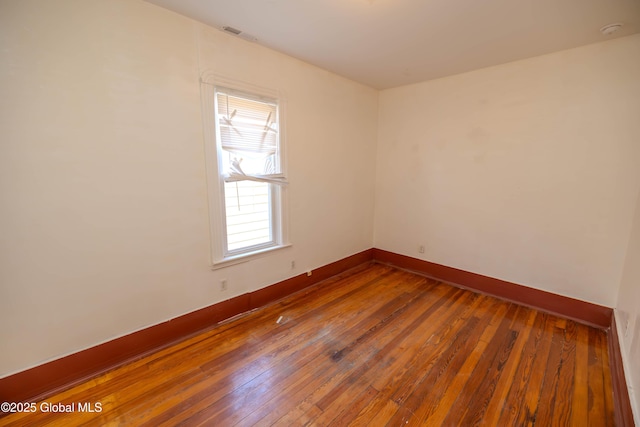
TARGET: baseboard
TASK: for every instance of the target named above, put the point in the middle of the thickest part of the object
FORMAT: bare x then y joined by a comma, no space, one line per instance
622,403
50,378
45,380
584,312
581,311
53,377
275,292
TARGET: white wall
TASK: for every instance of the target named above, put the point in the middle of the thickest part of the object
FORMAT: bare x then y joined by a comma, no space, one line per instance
628,313
526,171
102,171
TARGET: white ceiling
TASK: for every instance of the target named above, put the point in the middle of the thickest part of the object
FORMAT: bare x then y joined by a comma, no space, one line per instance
388,43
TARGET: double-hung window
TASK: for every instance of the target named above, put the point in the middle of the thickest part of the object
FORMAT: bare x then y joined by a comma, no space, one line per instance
250,178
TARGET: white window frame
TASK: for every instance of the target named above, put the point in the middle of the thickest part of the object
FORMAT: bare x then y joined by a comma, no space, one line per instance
220,255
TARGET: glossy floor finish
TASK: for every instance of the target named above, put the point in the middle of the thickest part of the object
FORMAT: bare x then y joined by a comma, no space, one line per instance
375,346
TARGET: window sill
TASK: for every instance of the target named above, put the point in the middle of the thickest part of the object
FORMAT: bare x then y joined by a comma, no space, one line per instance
240,259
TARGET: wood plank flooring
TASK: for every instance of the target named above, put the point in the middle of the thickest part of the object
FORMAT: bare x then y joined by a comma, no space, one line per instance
374,346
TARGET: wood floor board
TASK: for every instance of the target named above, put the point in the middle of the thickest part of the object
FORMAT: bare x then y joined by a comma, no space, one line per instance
499,399
563,394
544,415
252,381
597,406
378,412
380,367
360,334
531,401
373,346
428,354
477,388
405,353
384,336
487,383
608,396
580,400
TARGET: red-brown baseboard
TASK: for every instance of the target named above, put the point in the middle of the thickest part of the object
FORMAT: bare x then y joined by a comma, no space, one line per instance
585,312
621,401
592,314
275,292
52,377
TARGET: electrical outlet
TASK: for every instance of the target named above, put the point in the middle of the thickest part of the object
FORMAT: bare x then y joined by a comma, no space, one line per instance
223,285
421,249
293,265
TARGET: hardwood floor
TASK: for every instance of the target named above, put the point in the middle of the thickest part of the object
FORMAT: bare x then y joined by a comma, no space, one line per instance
375,346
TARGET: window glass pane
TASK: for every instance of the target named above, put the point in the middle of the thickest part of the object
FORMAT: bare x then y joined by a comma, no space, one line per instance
248,131
252,165
248,214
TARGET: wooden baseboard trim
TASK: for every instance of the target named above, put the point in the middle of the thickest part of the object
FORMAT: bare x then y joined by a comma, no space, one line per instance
622,403
264,296
53,377
592,314
581,311
45,380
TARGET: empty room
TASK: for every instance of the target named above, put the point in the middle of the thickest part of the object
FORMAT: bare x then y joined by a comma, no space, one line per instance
319,212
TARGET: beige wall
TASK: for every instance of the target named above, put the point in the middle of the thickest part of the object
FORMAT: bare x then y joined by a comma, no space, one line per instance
102,171
526,172
628,313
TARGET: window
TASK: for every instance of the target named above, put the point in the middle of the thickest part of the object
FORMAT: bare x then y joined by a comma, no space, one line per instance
246,172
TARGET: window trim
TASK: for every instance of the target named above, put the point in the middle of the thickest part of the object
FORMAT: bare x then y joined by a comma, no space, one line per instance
220,256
